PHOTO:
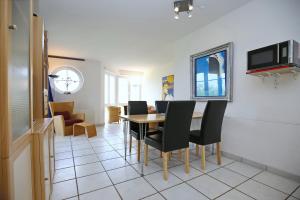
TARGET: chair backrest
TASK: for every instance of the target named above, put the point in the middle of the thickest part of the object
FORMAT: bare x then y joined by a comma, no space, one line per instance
161,106
177,125
125,110
136,108
61,107
212,120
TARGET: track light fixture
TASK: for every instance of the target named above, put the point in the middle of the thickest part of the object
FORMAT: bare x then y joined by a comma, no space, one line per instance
183,6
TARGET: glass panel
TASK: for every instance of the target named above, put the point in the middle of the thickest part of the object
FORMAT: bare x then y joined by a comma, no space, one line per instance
112,90
210,75
135,91
106,85
123,90
19,74
262,57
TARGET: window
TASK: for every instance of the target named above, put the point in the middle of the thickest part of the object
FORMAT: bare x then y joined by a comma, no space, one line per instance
69,80
123,89
120,89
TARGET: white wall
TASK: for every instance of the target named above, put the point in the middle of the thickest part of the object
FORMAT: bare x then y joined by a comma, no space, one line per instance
90,99
262,123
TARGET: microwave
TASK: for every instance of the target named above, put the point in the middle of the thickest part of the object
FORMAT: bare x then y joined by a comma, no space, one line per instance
281,54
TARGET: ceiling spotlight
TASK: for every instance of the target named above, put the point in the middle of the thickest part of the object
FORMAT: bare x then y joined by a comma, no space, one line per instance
183,6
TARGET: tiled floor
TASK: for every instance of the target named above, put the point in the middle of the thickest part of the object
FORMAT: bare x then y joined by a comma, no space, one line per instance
95,168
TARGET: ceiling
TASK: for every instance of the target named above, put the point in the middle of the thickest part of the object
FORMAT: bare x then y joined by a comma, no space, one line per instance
127,34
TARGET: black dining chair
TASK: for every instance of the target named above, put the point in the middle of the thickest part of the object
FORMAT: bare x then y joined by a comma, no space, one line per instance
125,110
210,132
175,135
161,107
136,108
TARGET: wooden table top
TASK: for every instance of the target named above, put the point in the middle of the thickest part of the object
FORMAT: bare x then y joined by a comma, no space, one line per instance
152,118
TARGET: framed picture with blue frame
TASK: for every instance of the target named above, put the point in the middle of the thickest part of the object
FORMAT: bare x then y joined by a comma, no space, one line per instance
211,74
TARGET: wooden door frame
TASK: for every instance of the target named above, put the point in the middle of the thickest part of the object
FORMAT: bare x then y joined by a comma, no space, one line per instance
9,149
5,130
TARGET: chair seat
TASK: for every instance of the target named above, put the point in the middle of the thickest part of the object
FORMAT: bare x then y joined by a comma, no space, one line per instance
154,140
195,136
70,122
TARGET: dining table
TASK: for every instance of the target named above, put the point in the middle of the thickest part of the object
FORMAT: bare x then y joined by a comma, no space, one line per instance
142,120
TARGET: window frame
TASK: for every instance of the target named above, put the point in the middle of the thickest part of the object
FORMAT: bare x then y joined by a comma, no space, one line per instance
228,47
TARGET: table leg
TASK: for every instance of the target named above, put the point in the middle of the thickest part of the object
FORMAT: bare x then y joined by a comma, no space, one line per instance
125,130
141,138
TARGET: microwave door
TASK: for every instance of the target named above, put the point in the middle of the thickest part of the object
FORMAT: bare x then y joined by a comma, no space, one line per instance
284,52
263,58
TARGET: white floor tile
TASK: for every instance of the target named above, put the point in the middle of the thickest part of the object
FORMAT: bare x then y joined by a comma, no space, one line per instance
209,186
64,174
208,166
244,169
225,161
88,169
82,146
260,191
179,171
292,198
151,168
108,155
183,191
63,149
234,195
229,177
103,149
156,196
122,174
114,163
135,189
159,183
171,163
59,164
297,193
83,152
93,182
64,155
280,183
105,193
64,190
86,159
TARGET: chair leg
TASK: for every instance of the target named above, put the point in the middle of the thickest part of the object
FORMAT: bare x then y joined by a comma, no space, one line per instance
165,164
169,155
146,155
203,157
139,150
219,159
179,154
187,160
130,144
197,149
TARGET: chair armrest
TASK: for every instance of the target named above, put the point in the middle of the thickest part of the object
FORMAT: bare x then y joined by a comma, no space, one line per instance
59,124
78,116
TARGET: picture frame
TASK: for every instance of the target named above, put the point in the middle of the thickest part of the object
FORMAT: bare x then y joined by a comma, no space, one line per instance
211,74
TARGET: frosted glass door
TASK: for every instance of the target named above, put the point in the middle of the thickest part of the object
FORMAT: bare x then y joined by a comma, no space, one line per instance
19,70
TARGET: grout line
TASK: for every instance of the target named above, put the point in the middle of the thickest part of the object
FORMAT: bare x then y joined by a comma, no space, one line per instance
75,172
